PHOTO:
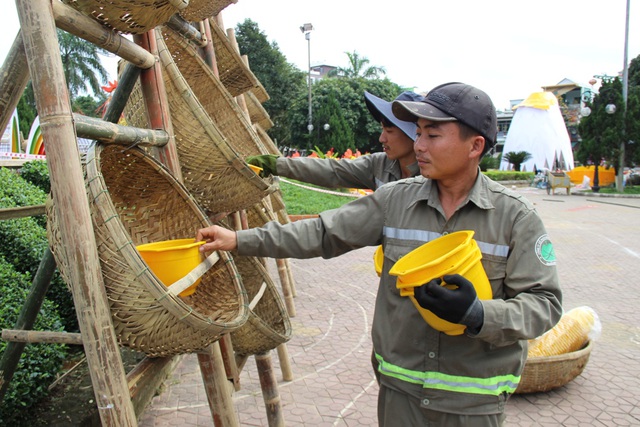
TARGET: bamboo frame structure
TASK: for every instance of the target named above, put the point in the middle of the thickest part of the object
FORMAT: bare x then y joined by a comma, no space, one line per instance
36,45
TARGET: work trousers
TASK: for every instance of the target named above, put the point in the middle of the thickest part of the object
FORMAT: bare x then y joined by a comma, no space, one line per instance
396,409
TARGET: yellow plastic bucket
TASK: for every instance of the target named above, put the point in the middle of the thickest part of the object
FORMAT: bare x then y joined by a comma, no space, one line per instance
378,260
454,253
171,260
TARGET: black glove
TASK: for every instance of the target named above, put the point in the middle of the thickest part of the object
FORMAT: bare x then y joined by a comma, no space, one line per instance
459,305
266,161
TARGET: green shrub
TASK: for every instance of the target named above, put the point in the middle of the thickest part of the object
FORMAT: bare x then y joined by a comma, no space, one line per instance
39,363
37,173
509,175
24,240
20,193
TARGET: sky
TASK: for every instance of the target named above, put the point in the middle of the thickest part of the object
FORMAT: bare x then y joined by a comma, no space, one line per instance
508,48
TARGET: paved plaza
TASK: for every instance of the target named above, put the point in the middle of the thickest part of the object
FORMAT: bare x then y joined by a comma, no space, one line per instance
597,243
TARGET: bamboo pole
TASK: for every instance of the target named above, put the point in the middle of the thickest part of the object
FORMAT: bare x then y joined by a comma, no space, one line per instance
21,212
188,31
13,79
74,22
26,319
120,96
48,337
72,209
208,52
92,128
216,386
270,392
155,97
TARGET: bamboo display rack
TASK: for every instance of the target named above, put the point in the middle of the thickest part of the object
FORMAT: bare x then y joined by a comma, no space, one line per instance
89,210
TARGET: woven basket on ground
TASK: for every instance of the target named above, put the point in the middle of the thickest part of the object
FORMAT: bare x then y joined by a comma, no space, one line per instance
215,174
268,325
549,372
135,200
203,9
129,16
234,74
216,100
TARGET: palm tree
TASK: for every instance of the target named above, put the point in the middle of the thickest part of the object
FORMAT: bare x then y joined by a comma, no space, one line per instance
358,67
81,64
517,158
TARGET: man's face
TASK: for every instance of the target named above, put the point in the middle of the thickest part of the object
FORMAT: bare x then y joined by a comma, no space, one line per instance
441,152
396,144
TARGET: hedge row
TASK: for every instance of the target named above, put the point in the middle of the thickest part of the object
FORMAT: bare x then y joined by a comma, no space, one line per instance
39,363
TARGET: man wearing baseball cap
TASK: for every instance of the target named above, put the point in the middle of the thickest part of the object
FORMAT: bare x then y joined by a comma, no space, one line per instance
426,376
397,160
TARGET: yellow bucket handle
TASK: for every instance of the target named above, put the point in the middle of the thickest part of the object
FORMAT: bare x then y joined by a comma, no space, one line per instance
194,274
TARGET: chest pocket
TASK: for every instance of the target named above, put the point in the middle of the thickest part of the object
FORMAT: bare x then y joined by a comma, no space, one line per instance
496,269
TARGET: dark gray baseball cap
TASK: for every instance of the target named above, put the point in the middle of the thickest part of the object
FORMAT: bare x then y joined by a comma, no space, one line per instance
379,108
453,102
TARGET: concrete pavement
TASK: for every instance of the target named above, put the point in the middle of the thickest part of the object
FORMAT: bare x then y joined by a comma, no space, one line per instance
597,243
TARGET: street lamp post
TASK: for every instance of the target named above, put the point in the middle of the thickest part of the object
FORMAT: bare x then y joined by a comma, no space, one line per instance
306,29
625,84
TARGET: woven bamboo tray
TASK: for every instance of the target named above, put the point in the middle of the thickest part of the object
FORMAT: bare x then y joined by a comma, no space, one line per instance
547,373
129,16
234,74
269,324
215,174
267,141
257,113
203,9
135,200
216,100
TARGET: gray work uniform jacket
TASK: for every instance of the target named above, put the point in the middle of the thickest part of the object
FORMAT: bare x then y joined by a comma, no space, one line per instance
368,171
463,374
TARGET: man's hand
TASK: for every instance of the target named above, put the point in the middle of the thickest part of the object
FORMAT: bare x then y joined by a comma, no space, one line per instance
267,162
217,238
460,305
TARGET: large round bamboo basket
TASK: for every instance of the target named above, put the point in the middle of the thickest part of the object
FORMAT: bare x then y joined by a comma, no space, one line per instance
129,16
135,200
216,100
549,372
269,324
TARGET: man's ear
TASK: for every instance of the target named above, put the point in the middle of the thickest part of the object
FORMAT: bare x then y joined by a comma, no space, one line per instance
477,145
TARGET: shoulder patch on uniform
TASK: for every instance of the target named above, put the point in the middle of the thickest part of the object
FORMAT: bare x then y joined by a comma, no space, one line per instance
544,250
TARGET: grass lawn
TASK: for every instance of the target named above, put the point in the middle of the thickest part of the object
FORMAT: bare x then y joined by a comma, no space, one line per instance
302,201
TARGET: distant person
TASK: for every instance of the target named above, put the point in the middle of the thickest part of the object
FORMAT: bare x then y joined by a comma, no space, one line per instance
370,171
428,378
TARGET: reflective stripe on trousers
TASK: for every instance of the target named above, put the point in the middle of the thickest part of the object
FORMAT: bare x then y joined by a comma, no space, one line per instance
435,380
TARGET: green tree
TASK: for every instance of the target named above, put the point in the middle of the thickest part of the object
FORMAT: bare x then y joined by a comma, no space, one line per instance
517,158
339,135
81,64
349,94
283,81
359,67
88,105
602,131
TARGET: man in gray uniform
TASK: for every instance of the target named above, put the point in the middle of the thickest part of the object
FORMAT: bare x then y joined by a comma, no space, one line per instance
428,377
370,171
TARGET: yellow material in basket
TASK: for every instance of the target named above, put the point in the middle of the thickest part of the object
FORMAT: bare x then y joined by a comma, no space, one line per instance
171,260
570,334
